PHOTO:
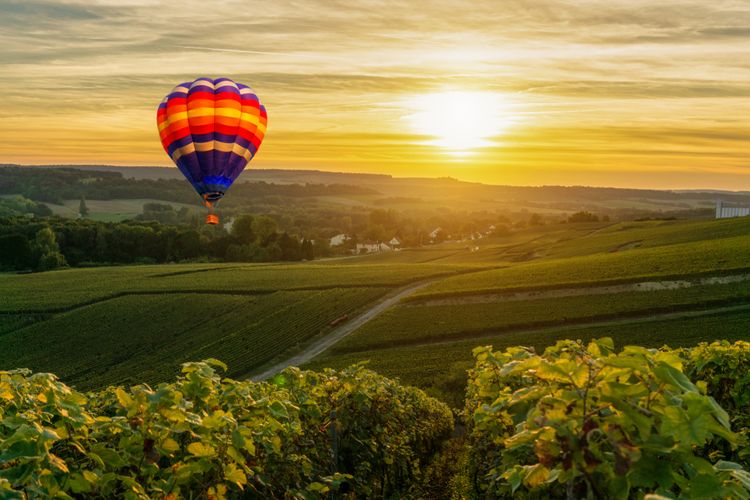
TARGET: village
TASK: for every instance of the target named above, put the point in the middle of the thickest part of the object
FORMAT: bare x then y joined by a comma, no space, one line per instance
437,235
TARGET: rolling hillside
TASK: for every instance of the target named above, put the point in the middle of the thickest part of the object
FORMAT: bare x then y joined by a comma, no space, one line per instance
651,283
647,283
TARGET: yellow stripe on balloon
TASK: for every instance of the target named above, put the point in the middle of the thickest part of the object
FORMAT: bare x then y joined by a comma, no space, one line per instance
204,111
175,117
204,147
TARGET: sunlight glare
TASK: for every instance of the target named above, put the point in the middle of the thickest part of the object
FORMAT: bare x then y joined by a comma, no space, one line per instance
460,121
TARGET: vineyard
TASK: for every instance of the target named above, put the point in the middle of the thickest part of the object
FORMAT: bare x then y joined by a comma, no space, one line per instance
247,331
583,421
100,326
67,289
574,421
302,435
404,325
684,282
728,255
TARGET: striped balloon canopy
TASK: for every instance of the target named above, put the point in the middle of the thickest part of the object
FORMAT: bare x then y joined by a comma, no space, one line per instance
211,128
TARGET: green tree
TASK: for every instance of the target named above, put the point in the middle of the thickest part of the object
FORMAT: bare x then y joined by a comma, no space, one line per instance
376,233
290,247
264,228
242,229
15,251
47,250
307,250
583,217
83,210
100,243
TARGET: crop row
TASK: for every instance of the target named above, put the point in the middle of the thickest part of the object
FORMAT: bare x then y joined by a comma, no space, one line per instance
413,324
426,366
58,290
147,337
696,258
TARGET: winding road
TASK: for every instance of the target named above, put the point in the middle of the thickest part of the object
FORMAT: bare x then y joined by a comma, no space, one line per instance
323,343
320,345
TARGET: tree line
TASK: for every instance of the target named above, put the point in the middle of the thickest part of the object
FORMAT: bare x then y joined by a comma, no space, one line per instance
59,184
42,244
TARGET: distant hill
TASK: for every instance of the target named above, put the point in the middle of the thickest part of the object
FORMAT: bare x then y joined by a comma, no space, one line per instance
450,192
250,175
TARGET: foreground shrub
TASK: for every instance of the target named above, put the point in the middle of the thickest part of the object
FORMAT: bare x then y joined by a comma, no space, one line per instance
723,368
301,435
583,422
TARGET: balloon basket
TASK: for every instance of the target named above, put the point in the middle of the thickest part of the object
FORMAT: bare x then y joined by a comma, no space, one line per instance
212,219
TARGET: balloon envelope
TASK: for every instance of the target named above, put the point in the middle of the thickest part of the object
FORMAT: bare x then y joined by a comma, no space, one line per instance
211,129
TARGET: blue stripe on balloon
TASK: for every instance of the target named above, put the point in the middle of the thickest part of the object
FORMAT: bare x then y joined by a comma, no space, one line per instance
218,180
178,143
214,136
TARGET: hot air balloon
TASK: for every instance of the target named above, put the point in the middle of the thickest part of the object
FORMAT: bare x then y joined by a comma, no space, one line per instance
211,129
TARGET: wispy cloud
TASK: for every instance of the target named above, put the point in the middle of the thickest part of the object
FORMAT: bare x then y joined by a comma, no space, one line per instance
604,88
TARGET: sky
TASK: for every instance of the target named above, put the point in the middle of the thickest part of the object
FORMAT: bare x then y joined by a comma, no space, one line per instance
627,93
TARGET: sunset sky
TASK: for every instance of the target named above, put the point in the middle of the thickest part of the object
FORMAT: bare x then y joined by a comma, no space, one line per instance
618,93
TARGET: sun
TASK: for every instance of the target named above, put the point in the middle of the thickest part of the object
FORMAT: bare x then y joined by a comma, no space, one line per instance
460,121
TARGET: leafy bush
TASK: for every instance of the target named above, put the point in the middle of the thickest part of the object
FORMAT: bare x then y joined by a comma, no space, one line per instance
724,368
584,422
301,435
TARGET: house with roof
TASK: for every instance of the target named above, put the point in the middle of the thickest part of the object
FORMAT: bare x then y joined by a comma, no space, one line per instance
372,248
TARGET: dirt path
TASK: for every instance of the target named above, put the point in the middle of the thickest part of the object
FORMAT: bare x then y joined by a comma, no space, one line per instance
337,334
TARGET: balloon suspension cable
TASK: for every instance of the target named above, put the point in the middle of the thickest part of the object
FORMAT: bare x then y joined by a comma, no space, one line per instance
211,218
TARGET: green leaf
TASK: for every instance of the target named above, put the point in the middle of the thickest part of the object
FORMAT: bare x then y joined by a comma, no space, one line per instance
201,450
535,475
170,445
235,475
123,398
704,486
216,362
673,376
79,484
317,487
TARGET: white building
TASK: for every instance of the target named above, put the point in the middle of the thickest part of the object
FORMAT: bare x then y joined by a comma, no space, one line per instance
339,240
724,212
372,247
395,242
434,233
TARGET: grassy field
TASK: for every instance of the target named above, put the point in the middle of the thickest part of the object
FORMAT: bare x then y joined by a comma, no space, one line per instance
107,325
111,210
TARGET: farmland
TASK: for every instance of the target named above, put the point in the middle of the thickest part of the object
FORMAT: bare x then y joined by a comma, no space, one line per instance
100,326
684,282
649,283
